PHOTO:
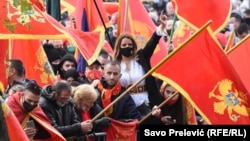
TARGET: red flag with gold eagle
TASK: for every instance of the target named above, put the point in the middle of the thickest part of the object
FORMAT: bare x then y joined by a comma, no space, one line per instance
239,56
190,11
134,19
91,16
207,80
35,61
3,65
23,20
181,33
121,130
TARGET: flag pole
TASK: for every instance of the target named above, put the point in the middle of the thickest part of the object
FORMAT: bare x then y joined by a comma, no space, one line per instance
229,39
171,35
172,29
148,73
238,44
103,23
159,106
126,16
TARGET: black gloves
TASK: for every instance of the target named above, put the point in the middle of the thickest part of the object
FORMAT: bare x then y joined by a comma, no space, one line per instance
103,122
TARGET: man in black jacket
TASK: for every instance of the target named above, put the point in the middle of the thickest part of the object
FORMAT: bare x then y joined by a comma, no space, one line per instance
110,89
57,105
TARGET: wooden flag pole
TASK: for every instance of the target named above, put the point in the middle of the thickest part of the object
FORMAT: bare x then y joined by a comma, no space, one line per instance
162,104
149,73
126,16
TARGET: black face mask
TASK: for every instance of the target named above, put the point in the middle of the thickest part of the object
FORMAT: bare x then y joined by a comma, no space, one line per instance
54,67
28,107
127,51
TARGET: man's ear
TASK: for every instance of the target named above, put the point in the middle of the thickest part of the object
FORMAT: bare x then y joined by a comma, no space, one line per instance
54,95
12,71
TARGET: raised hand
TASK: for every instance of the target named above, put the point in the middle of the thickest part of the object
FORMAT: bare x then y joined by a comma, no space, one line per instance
162,20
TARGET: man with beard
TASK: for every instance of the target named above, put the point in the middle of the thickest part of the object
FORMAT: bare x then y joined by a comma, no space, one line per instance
123,110
68,61
35,123
110,88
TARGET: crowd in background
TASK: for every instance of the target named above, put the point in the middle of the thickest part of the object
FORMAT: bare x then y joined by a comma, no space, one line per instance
75,98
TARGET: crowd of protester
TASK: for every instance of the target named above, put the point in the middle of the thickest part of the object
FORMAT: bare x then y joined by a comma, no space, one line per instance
65,109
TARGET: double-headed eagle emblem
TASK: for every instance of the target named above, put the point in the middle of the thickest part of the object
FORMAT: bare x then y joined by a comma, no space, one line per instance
230,100
23,11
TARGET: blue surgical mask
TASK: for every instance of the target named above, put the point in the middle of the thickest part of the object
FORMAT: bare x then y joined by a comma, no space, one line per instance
71,48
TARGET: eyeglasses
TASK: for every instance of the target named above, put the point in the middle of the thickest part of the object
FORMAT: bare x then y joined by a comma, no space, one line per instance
170,92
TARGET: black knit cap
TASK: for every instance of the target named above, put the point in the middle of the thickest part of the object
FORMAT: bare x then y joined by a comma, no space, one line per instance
71,73
53,55
67,57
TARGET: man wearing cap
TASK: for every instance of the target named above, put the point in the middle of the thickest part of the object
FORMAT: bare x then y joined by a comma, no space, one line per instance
68,61
93,73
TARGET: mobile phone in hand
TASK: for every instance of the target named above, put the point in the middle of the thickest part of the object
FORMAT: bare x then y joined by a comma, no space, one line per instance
30,124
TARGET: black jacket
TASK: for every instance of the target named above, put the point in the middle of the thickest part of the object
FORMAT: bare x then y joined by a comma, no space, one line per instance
143,57
94,110
64,119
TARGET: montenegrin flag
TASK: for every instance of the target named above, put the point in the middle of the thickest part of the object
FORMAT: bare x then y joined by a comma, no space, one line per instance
239,56
24,20
202,73
89,19
4,56
35,61
196,12
118,130
181,33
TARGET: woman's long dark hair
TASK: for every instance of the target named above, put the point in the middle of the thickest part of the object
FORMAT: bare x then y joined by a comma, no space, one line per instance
117,54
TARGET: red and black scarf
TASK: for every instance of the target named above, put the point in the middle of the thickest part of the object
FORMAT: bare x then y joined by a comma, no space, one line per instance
106,96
